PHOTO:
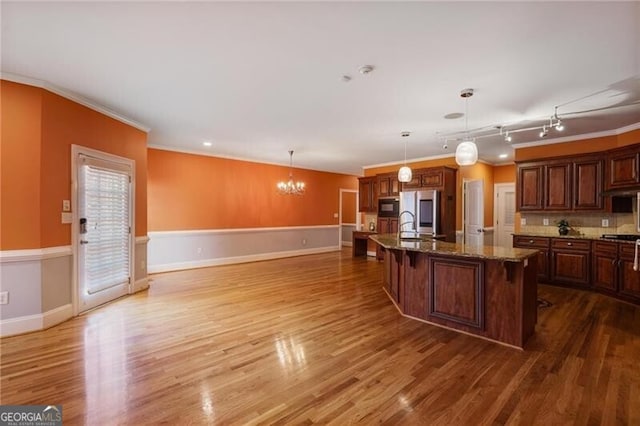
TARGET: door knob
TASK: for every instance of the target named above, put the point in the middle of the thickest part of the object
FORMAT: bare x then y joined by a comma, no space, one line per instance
84,242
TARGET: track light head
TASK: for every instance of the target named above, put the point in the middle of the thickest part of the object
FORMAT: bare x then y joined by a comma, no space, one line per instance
559,125
507,137
544,131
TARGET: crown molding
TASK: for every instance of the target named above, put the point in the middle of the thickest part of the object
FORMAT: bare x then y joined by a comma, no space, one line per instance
413,160
73,97
614,132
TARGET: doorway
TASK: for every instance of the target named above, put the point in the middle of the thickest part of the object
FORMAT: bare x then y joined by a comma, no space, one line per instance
504,210
348,217
473,211
102,227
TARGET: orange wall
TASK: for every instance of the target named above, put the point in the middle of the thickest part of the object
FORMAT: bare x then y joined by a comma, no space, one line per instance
504,174
583,146
20,166
349,207
60,124
187,192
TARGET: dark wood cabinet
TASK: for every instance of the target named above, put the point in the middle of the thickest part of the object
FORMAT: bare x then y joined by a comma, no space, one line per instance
570,261
629,280
388,185
433,178
367,194
386,225
542,245
622,168
415,182
414,302
604,266
587,184
557,186
393,261
560,184
529,187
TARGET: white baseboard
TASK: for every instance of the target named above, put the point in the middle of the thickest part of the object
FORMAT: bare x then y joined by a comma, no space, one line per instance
237,259
29,323
141,284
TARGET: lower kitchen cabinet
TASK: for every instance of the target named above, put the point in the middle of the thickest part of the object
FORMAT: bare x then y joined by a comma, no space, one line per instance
629,280
570,261
393,261
386,225
542,245
604,266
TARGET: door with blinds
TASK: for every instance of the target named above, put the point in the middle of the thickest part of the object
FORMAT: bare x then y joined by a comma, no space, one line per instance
104,230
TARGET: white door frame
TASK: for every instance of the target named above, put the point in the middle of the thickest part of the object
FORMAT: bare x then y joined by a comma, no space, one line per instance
342,191
76,150
496,186
464,197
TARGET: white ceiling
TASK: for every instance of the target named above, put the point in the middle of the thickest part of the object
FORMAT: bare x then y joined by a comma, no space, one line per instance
258,79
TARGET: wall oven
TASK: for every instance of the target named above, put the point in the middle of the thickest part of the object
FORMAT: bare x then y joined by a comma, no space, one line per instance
388,207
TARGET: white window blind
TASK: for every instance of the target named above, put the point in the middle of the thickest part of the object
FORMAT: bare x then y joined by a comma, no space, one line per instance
106,209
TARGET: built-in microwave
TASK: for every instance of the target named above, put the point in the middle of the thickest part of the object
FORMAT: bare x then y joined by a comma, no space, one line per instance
388,207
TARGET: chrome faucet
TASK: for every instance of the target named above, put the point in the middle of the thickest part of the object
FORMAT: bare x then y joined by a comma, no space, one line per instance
412,222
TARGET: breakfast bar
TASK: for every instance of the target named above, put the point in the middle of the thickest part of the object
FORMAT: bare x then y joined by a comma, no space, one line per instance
486,291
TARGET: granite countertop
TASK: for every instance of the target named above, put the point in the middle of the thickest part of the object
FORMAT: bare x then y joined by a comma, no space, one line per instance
574,237
390,241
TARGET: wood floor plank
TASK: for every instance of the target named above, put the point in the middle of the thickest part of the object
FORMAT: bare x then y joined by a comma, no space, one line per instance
315,340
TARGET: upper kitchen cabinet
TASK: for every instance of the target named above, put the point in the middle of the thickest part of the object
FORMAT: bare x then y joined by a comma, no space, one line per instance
587,184
529,187
560,184
368,194
388,185
430,178
622,167
557,186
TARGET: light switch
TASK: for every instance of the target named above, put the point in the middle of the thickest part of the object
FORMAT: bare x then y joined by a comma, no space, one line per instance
605,223
335,215
545,221
523,221
66,205
66,217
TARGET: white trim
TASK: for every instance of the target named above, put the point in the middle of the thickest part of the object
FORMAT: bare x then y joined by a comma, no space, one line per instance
43,84
372,253
57,315
576,138
238,259
141,284
76,152
412,160
29,323
142,240
28,255
245,159
348,224
489,229
161,234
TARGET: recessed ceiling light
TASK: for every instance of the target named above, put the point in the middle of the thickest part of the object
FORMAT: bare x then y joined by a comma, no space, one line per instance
207,143
454,115
503,155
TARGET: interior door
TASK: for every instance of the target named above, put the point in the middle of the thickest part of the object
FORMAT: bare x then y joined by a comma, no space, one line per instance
103,230
504,213
474,212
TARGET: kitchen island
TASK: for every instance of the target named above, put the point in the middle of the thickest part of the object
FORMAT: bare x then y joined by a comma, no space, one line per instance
486,291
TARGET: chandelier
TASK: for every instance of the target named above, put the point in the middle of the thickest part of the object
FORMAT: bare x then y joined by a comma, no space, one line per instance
291,187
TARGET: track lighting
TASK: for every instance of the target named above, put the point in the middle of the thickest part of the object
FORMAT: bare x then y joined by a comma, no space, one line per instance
507,137
559,125
544,131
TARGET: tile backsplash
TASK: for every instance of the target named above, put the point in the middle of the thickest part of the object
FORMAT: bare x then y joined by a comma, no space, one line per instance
586,224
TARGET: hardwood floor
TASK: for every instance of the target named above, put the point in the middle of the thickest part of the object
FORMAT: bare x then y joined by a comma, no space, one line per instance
314,339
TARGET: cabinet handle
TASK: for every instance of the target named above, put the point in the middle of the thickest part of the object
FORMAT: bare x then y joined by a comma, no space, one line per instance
569,244
614,263
530,241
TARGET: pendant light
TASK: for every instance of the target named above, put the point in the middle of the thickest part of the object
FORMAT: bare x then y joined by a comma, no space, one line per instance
467,151
405,174
290,187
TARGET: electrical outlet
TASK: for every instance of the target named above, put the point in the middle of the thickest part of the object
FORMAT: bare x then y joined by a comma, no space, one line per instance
66,205
335,215
545,221
4,297
605,223
523,221
304,241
